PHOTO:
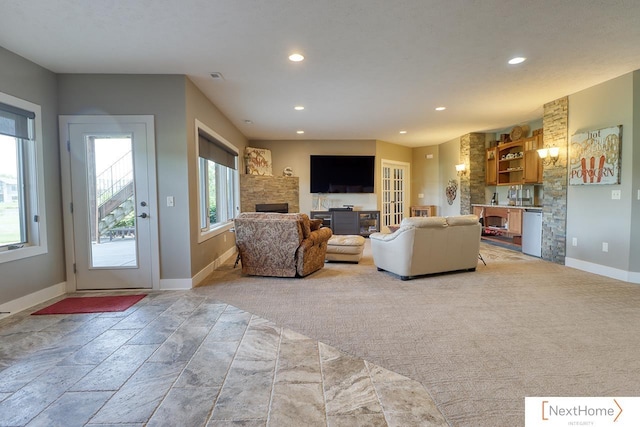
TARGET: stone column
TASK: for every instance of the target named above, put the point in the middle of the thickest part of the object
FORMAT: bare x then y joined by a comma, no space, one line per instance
472,182
554,200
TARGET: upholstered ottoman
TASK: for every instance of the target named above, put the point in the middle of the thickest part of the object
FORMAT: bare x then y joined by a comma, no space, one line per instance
344,248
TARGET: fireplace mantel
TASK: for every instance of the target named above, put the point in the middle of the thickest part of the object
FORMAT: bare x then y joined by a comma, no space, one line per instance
259,189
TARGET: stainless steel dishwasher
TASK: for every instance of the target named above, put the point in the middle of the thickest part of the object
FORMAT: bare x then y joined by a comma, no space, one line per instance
532,232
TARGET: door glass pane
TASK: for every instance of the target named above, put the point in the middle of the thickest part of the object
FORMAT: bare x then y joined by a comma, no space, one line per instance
111,196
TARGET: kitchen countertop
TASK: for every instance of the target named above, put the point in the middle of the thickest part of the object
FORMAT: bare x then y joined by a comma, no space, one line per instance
533,208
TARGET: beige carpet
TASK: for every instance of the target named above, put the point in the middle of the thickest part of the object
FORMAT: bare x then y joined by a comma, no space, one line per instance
479,341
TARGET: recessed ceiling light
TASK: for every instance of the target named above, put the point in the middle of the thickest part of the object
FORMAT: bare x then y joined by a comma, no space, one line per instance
517,60
299,132
296,57
298,108
217,75
403,132
248,122
441,108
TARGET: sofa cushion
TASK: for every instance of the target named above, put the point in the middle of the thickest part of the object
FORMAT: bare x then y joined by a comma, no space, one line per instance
424,222
462,220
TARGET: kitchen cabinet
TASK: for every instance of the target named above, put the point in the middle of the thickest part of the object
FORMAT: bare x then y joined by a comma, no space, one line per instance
501,223
532,167
516,162
491,166
514,221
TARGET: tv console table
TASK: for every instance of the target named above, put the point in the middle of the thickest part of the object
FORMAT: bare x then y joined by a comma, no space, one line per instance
349,222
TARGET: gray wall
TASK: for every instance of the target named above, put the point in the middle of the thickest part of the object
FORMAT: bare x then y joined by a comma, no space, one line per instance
425,177
175,102
592,216
634,258
449,156
199,107
26,80
162,96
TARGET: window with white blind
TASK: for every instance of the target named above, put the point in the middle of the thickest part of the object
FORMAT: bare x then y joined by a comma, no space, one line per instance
22,218
218,182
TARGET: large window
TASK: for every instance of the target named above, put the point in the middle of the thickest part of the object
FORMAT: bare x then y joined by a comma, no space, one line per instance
22,229
218,181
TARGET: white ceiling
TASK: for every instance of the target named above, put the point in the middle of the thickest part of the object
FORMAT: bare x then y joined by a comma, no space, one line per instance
372,67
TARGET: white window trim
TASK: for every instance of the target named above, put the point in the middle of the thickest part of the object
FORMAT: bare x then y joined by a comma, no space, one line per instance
37,244
204,235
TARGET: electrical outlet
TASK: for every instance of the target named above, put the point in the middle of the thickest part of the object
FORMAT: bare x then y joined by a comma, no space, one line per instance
615,194
170,201
574,242
605,247
420,196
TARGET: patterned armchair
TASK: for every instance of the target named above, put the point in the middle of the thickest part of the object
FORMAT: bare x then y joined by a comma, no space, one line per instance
281,245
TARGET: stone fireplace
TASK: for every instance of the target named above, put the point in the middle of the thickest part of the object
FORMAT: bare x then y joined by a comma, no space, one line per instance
265,190
273,207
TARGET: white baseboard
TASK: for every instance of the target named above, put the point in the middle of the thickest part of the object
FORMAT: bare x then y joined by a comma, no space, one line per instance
202,274
175,284
603,270
30,300
182,284
634,277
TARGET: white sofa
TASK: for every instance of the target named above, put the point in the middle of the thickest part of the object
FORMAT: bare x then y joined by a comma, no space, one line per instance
428,245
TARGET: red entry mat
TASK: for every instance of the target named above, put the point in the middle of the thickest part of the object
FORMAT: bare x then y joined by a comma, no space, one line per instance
73,305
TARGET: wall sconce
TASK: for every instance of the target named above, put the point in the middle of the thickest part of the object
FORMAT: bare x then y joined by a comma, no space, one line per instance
461,169
549,155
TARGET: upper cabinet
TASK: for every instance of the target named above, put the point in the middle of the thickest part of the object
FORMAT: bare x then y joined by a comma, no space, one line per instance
515,162
491,167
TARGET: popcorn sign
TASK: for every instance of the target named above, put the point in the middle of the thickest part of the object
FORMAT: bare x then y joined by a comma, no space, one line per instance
595,157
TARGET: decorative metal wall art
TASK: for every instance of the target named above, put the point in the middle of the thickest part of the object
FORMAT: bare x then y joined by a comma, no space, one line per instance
450,190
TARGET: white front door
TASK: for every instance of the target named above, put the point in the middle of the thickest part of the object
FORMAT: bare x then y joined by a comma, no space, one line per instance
395,192
113,209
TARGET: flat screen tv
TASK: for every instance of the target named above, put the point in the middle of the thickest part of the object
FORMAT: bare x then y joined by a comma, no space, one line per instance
342,174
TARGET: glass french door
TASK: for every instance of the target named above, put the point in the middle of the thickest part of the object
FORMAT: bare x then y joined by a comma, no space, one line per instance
109,175
395,192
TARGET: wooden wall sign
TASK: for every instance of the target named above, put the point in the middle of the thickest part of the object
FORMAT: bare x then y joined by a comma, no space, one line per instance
594,157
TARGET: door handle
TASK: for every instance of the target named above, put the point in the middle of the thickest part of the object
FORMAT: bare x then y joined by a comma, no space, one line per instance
143,215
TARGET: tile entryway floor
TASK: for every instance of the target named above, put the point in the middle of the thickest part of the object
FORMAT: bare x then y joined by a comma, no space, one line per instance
180,359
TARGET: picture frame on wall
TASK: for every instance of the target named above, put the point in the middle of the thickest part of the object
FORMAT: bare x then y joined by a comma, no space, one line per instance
258,161
594,157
